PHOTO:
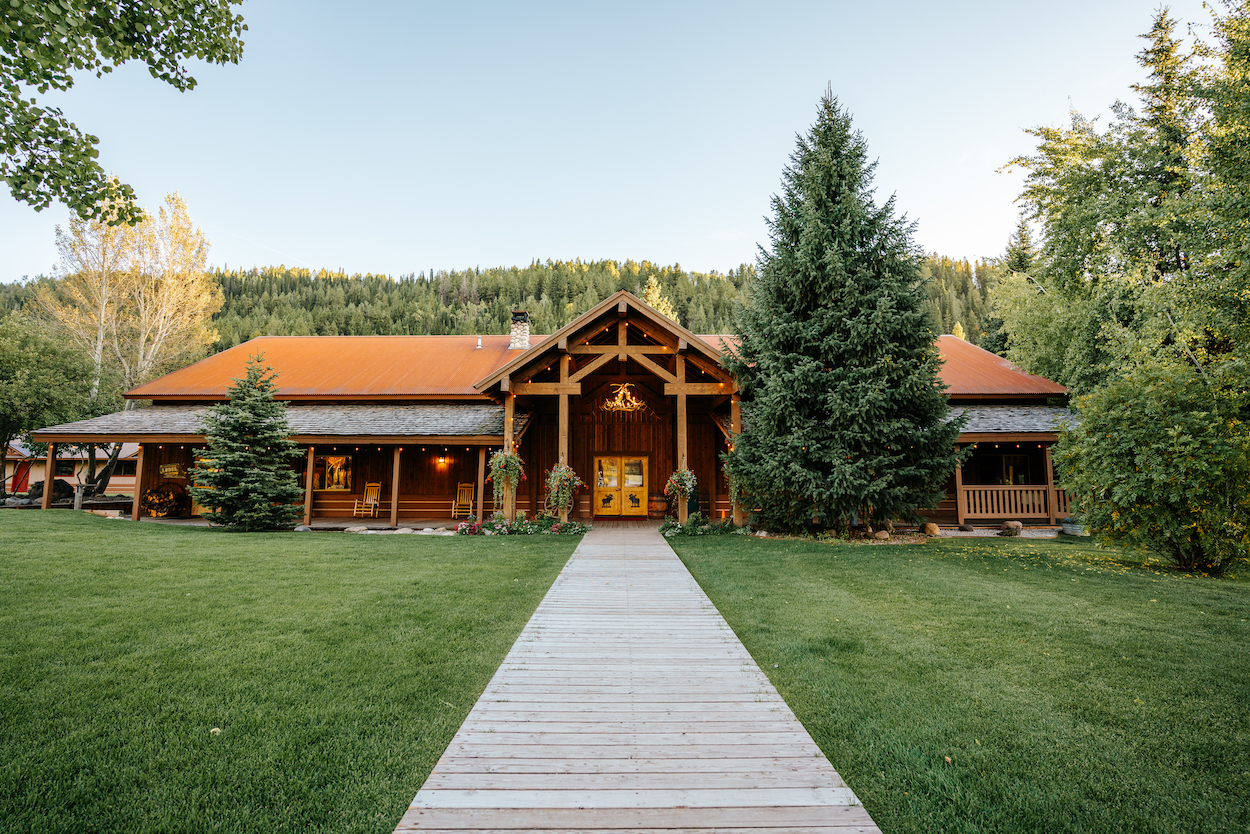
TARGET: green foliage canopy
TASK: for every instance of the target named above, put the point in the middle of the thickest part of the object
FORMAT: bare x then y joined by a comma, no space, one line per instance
41,379
43,156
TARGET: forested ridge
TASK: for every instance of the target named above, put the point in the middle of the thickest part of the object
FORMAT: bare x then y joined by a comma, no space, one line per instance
293,301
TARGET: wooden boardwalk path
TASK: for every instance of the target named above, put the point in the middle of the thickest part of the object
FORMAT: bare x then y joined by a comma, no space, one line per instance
627,704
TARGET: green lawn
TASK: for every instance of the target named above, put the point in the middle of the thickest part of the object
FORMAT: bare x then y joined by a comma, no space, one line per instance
1070,692
336,667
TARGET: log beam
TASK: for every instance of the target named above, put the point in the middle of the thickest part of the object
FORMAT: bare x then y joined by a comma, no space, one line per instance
735,429
961,500
481,480
1050,486
49,476
136,506
546,388
395,487
594,365
632,350
697,388
308,487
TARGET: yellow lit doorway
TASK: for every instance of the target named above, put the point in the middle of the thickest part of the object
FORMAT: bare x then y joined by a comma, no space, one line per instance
621,485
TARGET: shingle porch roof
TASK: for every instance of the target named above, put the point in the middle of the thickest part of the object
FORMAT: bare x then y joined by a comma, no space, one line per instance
480,422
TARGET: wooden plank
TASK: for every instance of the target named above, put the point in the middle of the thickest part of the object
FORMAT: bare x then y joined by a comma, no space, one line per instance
627,703
638,819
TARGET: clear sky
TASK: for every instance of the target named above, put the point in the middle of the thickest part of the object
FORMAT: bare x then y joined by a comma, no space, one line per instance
399,137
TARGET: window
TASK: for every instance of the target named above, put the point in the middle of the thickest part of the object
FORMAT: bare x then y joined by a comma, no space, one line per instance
332,473
64,469
125,468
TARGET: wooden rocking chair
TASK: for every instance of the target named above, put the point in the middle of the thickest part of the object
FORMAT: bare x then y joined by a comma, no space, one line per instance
463,505
368,504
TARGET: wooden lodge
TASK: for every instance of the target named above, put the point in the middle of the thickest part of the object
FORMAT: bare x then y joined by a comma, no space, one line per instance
622,394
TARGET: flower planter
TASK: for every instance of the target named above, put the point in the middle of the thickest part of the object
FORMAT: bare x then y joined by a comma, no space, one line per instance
1075,530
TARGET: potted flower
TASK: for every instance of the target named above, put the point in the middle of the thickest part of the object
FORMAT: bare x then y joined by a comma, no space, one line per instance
1073,526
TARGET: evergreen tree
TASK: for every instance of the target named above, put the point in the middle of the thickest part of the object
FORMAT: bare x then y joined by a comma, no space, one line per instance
245,473
653,294
843,410
1019,259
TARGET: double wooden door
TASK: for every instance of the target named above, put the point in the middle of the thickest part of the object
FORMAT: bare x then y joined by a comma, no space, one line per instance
620,485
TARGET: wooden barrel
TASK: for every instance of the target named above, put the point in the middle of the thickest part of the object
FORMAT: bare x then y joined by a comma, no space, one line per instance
657,506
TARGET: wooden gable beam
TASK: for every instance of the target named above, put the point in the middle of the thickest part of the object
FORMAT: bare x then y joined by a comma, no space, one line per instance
594,365
663,374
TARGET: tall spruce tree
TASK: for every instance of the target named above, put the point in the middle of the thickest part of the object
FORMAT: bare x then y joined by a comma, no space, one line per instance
843,410
245,474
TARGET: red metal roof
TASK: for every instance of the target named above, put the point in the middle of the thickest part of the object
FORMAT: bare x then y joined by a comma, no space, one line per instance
343,368
349,368
971,371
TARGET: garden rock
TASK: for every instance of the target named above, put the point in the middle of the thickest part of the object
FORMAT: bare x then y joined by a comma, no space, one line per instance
60,489
930,529
763,534
967,528
303,528
356,530
10,502
405,530
1010,528
881,534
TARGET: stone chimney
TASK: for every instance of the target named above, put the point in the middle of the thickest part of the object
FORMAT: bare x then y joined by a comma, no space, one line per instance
520,330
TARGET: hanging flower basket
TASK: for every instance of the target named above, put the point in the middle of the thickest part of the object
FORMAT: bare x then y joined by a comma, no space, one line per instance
681,485
563,484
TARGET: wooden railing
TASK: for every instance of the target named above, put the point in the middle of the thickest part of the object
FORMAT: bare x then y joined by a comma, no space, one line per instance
1013,502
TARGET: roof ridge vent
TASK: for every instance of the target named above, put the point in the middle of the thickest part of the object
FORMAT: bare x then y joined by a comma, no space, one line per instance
479,343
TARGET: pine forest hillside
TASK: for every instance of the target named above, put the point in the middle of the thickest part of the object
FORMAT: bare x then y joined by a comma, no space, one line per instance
291,301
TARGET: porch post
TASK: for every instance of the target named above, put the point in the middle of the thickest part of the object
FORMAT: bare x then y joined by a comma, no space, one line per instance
683,511
735,429
961,500
395,488
135,507
563,450
308,489
49,476
1050,486
481,480
509,410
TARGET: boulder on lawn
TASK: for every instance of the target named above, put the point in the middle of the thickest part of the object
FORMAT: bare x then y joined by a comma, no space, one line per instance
930,529
60,490
883,535
1010,528
357,529
303,528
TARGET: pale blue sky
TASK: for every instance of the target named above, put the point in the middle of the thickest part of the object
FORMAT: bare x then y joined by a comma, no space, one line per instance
399,137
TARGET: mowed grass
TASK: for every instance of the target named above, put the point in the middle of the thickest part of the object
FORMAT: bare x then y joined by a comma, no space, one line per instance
993,685
336,667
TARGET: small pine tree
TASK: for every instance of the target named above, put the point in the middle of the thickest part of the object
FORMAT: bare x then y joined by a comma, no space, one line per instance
245,473
843,410
653,295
